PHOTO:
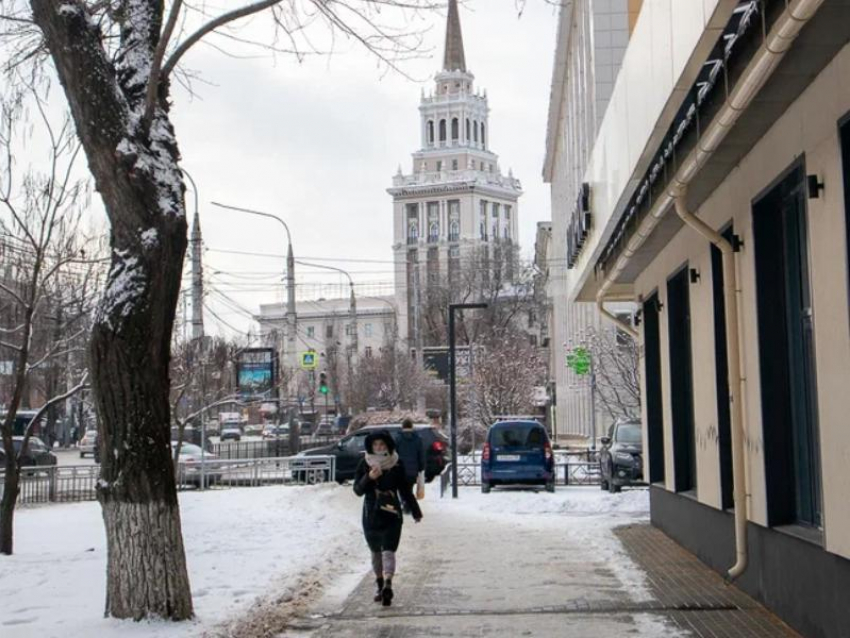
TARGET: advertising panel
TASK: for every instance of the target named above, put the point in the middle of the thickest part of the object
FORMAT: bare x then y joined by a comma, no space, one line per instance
255,371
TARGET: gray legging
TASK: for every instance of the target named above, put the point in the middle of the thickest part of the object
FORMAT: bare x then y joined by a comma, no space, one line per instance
383,564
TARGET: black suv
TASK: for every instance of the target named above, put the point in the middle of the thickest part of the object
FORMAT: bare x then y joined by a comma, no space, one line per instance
349,450
621,456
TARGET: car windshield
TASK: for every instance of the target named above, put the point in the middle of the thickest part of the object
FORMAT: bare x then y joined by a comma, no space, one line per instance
629,433
519,435
35,445
190,450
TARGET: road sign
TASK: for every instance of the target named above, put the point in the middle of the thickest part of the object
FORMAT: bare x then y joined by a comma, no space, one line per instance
309,360
579,361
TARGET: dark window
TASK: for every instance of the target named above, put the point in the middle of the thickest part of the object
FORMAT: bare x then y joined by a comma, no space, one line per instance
455,129
721,368
681,381
329,331
430,131
442,130
787,355
483,139
652,374
475,130
468,130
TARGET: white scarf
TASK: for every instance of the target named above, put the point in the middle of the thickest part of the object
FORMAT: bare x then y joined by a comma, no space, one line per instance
383,461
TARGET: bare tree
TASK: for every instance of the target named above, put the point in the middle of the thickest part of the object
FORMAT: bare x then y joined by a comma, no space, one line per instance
41,277
616,361
389,381
115,61
505,377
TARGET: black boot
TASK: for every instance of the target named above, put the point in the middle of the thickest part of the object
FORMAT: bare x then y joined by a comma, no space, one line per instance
379,594
387,592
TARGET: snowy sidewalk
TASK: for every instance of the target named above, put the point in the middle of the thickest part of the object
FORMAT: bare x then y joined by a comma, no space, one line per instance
507,564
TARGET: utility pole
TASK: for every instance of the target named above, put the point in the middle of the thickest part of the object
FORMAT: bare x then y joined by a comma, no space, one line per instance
196,248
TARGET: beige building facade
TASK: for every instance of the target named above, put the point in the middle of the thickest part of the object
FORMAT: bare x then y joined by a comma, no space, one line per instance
736,122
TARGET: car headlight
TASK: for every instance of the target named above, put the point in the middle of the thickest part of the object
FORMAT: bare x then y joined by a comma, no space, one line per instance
623,457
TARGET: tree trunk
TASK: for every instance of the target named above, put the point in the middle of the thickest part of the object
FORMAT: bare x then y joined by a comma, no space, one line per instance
135,166
11,487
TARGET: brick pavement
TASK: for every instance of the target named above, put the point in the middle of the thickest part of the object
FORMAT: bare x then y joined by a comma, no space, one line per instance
693,596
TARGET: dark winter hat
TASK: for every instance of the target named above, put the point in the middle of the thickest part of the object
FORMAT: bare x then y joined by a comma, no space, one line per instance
407,424
380,435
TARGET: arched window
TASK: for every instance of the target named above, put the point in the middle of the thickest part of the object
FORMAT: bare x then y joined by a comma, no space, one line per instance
434,232
483,139
455,130
442,130
430,131
475,130
454,231
412,232
468,130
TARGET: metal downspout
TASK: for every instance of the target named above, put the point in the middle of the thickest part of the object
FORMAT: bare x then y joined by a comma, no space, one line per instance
736,380
776,45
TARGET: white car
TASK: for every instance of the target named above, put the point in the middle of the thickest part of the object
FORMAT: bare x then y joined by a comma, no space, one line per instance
87,443
231,433
189,461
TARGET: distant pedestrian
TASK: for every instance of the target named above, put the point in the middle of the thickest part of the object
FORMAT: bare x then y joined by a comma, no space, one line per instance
412,456
381,478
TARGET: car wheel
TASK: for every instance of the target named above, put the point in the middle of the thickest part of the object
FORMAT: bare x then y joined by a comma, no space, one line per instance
82,455
550,487
485,487
614,488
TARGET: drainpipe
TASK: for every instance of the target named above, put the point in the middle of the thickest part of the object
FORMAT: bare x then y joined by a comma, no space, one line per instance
622,325
736,378
776,44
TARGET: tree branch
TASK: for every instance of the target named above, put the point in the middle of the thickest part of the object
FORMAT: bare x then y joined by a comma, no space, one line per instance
156,76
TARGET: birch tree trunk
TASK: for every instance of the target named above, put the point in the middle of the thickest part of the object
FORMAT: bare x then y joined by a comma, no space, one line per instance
134,162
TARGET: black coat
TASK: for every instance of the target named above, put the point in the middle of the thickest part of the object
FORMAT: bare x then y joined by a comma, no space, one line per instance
411,453
380,535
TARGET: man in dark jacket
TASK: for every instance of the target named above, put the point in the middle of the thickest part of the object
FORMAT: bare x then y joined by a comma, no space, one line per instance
412,455
381,479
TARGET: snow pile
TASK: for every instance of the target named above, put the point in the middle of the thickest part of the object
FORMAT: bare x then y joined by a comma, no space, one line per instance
242,545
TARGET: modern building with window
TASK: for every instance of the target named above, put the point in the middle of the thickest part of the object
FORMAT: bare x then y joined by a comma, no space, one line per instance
720,203
591,42
456,209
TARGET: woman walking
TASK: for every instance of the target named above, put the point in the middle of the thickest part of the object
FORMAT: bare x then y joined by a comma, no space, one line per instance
381,478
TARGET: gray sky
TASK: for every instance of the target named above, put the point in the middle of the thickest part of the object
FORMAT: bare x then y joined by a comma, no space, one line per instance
317,143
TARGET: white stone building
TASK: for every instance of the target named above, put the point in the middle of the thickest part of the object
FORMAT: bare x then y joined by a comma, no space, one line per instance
455,202
591,42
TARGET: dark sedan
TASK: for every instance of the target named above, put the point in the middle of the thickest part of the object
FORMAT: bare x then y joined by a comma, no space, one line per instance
37,454
349,450
621,456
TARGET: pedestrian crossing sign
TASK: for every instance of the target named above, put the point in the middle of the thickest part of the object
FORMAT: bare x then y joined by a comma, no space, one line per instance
309,361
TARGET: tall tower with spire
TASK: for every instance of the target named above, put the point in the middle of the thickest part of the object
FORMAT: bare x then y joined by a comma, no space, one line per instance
455,214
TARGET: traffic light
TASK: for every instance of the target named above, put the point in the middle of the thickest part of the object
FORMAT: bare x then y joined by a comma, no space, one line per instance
323,383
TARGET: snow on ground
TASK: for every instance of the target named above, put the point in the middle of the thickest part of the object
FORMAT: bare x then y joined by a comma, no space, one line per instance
242,545
253,544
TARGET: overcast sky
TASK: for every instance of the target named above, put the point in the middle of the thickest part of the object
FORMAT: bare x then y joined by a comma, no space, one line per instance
317,143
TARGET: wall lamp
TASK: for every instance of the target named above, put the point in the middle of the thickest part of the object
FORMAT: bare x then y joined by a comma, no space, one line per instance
814,186
693,273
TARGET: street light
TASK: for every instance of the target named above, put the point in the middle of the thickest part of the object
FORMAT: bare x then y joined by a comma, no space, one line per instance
453,382
291,315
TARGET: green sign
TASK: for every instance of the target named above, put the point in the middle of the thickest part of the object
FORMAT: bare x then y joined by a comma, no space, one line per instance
309,360
579,361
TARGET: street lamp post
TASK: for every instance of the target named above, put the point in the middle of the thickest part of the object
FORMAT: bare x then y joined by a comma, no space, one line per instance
453,383
291,315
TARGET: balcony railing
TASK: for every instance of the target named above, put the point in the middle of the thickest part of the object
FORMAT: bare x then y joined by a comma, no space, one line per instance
445,177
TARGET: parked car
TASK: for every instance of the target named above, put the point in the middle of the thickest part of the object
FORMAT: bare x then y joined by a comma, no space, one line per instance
231,432
88,444
37,453
349,450
276,431
517,453
621,456
189,460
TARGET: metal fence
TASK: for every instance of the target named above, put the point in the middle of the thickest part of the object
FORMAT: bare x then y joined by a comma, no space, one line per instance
579,467
277,447
64,484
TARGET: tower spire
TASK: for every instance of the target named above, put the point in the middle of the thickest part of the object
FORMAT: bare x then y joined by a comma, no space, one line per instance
453,58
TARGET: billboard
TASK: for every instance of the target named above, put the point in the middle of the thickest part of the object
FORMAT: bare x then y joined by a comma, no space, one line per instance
436,362
255,371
